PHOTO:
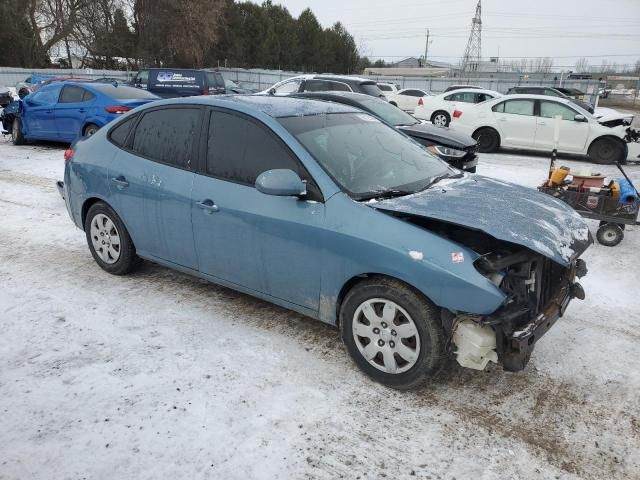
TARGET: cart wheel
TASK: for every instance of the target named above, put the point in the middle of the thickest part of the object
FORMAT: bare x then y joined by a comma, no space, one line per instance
610,234
621,225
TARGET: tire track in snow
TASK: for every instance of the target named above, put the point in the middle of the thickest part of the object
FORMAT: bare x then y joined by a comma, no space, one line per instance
495,402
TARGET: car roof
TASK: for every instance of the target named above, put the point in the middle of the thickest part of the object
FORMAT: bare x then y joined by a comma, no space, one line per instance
276,107
471,90
533,96
533,86
348,78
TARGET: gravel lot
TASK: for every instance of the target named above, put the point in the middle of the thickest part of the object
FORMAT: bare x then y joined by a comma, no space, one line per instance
160,375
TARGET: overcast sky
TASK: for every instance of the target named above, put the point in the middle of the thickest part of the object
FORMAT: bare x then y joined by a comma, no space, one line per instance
393,29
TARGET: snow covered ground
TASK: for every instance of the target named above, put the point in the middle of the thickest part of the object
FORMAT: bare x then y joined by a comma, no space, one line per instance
160,375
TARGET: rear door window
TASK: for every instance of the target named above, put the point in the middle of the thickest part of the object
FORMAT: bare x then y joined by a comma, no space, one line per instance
515,107
168,135
238,149
72,94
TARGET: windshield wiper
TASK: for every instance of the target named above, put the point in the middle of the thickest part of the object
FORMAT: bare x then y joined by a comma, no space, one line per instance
382,194
437,178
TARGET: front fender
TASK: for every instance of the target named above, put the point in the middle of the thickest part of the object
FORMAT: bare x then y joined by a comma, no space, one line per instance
379,243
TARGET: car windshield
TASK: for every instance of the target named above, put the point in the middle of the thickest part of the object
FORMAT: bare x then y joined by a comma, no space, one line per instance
366,157
384,88
123,92
387,112
230,84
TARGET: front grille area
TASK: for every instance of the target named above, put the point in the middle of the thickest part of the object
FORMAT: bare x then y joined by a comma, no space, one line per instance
549,280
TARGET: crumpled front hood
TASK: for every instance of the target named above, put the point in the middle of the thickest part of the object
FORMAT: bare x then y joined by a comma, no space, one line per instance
503,210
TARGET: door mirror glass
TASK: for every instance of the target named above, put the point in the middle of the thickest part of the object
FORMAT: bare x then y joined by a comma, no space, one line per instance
580,118
281,182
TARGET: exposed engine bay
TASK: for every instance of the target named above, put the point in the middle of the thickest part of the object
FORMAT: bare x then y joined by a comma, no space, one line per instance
538,291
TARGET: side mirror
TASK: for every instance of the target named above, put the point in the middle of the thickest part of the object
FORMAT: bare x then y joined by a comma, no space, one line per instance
579,118
281,182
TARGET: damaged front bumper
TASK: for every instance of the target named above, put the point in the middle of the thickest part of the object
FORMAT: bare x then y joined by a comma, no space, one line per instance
517,332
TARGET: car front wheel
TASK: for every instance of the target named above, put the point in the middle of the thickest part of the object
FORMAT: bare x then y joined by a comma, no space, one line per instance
606,151
17,136
108,240
393,333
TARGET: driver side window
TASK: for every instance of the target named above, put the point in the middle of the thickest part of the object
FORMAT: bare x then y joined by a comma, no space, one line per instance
239,150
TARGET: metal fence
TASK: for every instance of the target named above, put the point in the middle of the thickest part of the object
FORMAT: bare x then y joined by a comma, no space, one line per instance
262,79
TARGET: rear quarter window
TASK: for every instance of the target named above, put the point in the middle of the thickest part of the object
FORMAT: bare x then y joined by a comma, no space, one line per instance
118,135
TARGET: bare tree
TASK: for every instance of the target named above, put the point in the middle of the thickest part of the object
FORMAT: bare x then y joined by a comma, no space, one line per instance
582,65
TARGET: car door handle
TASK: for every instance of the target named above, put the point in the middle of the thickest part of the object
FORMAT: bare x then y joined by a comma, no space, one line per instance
542,123
81,110
208,206
120,182
502,119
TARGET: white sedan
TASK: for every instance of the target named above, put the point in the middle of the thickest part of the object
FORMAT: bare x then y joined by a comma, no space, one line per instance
388,89
528,122
409,98
438,109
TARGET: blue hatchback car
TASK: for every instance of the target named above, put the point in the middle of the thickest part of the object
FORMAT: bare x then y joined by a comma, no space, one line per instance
325,210
65,111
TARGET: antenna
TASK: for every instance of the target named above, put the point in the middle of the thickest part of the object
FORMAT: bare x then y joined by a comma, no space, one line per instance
473,52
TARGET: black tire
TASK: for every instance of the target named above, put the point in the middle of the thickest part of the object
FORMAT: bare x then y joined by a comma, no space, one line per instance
606,151
17,137
610,234
472,170
426,318
90,130
127,260
394,104
488,139
441,118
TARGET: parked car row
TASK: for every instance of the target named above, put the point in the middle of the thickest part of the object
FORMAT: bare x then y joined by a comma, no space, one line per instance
327,210
528,122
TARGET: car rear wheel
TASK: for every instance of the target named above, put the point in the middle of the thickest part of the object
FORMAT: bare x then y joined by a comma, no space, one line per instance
108,240
90,129
394,104
609,234
392,332
488,139
606,151
16,132
441,119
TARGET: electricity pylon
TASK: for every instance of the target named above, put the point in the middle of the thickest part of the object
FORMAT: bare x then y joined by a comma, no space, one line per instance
473,52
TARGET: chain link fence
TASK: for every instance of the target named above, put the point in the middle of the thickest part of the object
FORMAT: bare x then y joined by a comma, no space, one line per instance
260,79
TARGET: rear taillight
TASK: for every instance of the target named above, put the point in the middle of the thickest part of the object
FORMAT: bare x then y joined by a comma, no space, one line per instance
117,109
420,102
68,154
205,91
457,114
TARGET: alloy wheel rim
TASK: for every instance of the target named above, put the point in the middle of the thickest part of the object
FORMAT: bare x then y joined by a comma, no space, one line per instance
440,120
610,235
105,239
90,131
386,335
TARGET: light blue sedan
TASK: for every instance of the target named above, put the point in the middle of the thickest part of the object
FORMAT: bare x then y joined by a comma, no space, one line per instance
325,210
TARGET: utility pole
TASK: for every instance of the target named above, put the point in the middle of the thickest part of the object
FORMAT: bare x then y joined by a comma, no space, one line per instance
426,49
